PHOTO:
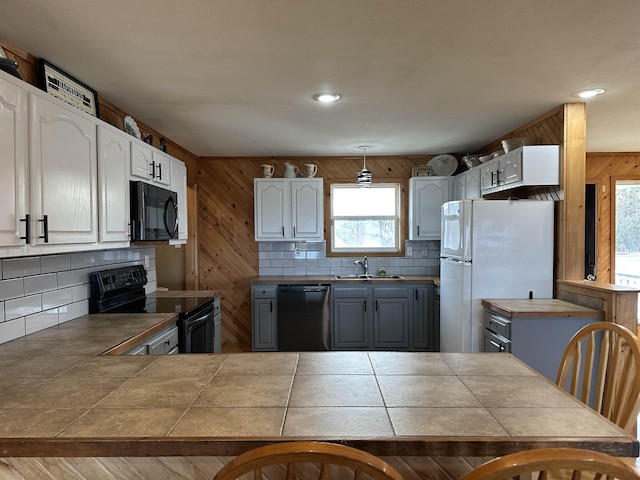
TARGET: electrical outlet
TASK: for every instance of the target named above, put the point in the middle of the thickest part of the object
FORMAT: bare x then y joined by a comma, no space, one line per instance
297,251
425,252
409,251
146,261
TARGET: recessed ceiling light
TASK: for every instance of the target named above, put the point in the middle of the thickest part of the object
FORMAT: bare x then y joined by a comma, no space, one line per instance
326,97
592,92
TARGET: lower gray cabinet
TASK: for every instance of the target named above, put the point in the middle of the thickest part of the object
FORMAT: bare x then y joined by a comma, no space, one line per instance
264,317
391,315
425,320
350,320
388,317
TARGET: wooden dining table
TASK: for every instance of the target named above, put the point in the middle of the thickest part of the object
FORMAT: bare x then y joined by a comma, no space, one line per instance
62,397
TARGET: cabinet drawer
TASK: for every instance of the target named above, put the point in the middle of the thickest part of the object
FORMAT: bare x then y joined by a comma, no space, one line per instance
391,292
497,324
163,343
350,292
266,291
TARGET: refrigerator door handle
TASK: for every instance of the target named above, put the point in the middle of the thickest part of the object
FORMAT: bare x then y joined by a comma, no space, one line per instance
454,260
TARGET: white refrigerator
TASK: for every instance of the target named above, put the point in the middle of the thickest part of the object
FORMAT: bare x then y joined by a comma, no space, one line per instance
491,249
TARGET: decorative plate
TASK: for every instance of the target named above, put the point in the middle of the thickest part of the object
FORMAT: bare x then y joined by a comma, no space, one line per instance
131,127
443,165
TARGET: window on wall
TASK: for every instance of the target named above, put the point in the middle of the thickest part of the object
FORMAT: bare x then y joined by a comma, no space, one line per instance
365,219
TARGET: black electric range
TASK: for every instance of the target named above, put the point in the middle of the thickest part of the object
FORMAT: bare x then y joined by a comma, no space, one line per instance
121,290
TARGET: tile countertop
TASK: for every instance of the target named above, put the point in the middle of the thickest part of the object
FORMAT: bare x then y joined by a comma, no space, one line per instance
540,308
61,397
331,279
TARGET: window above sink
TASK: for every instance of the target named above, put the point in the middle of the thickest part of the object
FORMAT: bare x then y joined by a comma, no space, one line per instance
365,219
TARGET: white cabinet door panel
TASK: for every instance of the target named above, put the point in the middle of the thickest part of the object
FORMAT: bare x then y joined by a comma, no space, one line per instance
306,209
14,187
426,197
141,158
114,154
63,174
161,165
179,185
272,210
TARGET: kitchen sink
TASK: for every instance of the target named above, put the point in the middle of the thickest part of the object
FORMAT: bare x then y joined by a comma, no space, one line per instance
369,277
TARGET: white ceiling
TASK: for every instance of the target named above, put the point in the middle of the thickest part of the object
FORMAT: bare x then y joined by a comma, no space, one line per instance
236,77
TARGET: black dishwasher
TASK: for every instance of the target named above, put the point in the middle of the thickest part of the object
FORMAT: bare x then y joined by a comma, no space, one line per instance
303,318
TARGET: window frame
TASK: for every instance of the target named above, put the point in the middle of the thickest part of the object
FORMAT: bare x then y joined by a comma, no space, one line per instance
397,218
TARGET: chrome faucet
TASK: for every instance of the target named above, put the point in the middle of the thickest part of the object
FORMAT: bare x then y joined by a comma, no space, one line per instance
364,263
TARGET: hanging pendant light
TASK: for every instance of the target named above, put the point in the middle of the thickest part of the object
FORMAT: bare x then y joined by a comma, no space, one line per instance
364,175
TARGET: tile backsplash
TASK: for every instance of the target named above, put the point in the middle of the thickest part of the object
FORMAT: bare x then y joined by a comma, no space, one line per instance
290,258
43,291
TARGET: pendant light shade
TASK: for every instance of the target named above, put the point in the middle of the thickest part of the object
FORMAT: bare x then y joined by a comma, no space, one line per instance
364,175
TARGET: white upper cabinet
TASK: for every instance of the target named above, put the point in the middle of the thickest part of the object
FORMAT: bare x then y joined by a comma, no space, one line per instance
114,156
141,159
14,186
460,186
472,184
426,196
535,165
179,185
288,209
150,164
63,177
161,168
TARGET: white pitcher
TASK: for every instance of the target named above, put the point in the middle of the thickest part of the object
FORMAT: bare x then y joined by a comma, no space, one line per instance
290,171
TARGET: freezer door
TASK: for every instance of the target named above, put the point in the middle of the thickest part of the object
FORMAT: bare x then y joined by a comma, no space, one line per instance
455,306
456,230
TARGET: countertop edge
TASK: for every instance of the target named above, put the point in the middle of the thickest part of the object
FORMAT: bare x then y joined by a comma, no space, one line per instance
231,446
530,308
121,348
332,280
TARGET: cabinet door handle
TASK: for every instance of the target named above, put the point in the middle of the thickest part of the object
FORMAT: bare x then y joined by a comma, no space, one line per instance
498,177
159,171
27,228
492,176
271,306
365,305
294,231
376,305
418,230
153,169
45,224
283,231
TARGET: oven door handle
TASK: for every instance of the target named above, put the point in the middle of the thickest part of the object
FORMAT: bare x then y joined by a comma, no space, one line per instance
191,323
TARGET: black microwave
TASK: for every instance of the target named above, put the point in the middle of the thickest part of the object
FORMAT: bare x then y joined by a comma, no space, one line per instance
154,212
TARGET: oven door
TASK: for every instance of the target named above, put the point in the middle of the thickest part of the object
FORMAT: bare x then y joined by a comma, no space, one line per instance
197,332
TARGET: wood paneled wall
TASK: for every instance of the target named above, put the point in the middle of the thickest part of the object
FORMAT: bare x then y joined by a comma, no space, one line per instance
227,250
604,169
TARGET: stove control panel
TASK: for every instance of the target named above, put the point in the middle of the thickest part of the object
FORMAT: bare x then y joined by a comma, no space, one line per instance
118,279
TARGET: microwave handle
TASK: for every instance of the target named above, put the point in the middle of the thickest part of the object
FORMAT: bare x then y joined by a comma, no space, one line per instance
174,228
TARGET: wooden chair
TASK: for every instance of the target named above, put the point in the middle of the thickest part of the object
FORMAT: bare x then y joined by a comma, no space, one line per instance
332,458
601,367
8,472
554,463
